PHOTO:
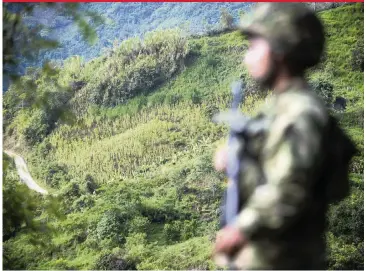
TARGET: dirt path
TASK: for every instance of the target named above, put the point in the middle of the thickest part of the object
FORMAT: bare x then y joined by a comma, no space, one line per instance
23,172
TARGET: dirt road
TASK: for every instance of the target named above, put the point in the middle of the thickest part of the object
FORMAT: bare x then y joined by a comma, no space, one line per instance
24,174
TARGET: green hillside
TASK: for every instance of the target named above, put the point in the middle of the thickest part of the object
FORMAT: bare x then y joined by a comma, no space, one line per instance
125,144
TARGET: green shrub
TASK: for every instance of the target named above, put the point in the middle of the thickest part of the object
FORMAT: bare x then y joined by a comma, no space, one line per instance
90,184
172,98
138,224
112,225
109,261
212,61
70,192
156,99
189,229
55,175
346,219
44,148
357,61
36,129
83,203
172,231
60,264
137,248
344,256
345,230
324,89
192,254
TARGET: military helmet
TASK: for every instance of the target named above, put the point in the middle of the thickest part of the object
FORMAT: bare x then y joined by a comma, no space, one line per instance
292,29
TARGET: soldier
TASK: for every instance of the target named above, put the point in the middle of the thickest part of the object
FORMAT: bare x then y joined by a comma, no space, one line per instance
301,156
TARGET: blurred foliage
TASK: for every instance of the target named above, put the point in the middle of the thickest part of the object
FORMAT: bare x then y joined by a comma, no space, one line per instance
25,41
19,204
35,103
25,214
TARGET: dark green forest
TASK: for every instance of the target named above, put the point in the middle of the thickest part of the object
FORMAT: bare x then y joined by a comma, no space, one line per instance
123,143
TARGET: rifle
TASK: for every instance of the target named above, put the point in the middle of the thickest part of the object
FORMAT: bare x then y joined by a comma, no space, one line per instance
237,123
242,128
232,170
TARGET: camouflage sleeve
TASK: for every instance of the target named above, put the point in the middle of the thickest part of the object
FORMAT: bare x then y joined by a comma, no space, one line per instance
290,155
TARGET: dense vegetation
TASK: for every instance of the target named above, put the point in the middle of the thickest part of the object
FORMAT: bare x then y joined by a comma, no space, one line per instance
128,151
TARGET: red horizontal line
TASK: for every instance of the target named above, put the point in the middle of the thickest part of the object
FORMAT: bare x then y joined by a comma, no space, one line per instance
100,1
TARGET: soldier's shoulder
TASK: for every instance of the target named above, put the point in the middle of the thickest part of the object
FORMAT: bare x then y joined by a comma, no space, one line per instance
302,103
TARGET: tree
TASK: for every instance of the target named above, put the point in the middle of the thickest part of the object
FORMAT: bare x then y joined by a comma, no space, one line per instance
226,19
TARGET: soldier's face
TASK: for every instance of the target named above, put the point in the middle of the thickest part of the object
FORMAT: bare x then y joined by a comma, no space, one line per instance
258,58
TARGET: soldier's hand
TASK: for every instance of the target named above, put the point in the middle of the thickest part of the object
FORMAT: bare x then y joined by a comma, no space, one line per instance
228,240
220,159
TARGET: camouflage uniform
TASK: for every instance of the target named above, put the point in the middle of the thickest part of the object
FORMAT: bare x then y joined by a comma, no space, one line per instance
281,216
283,192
